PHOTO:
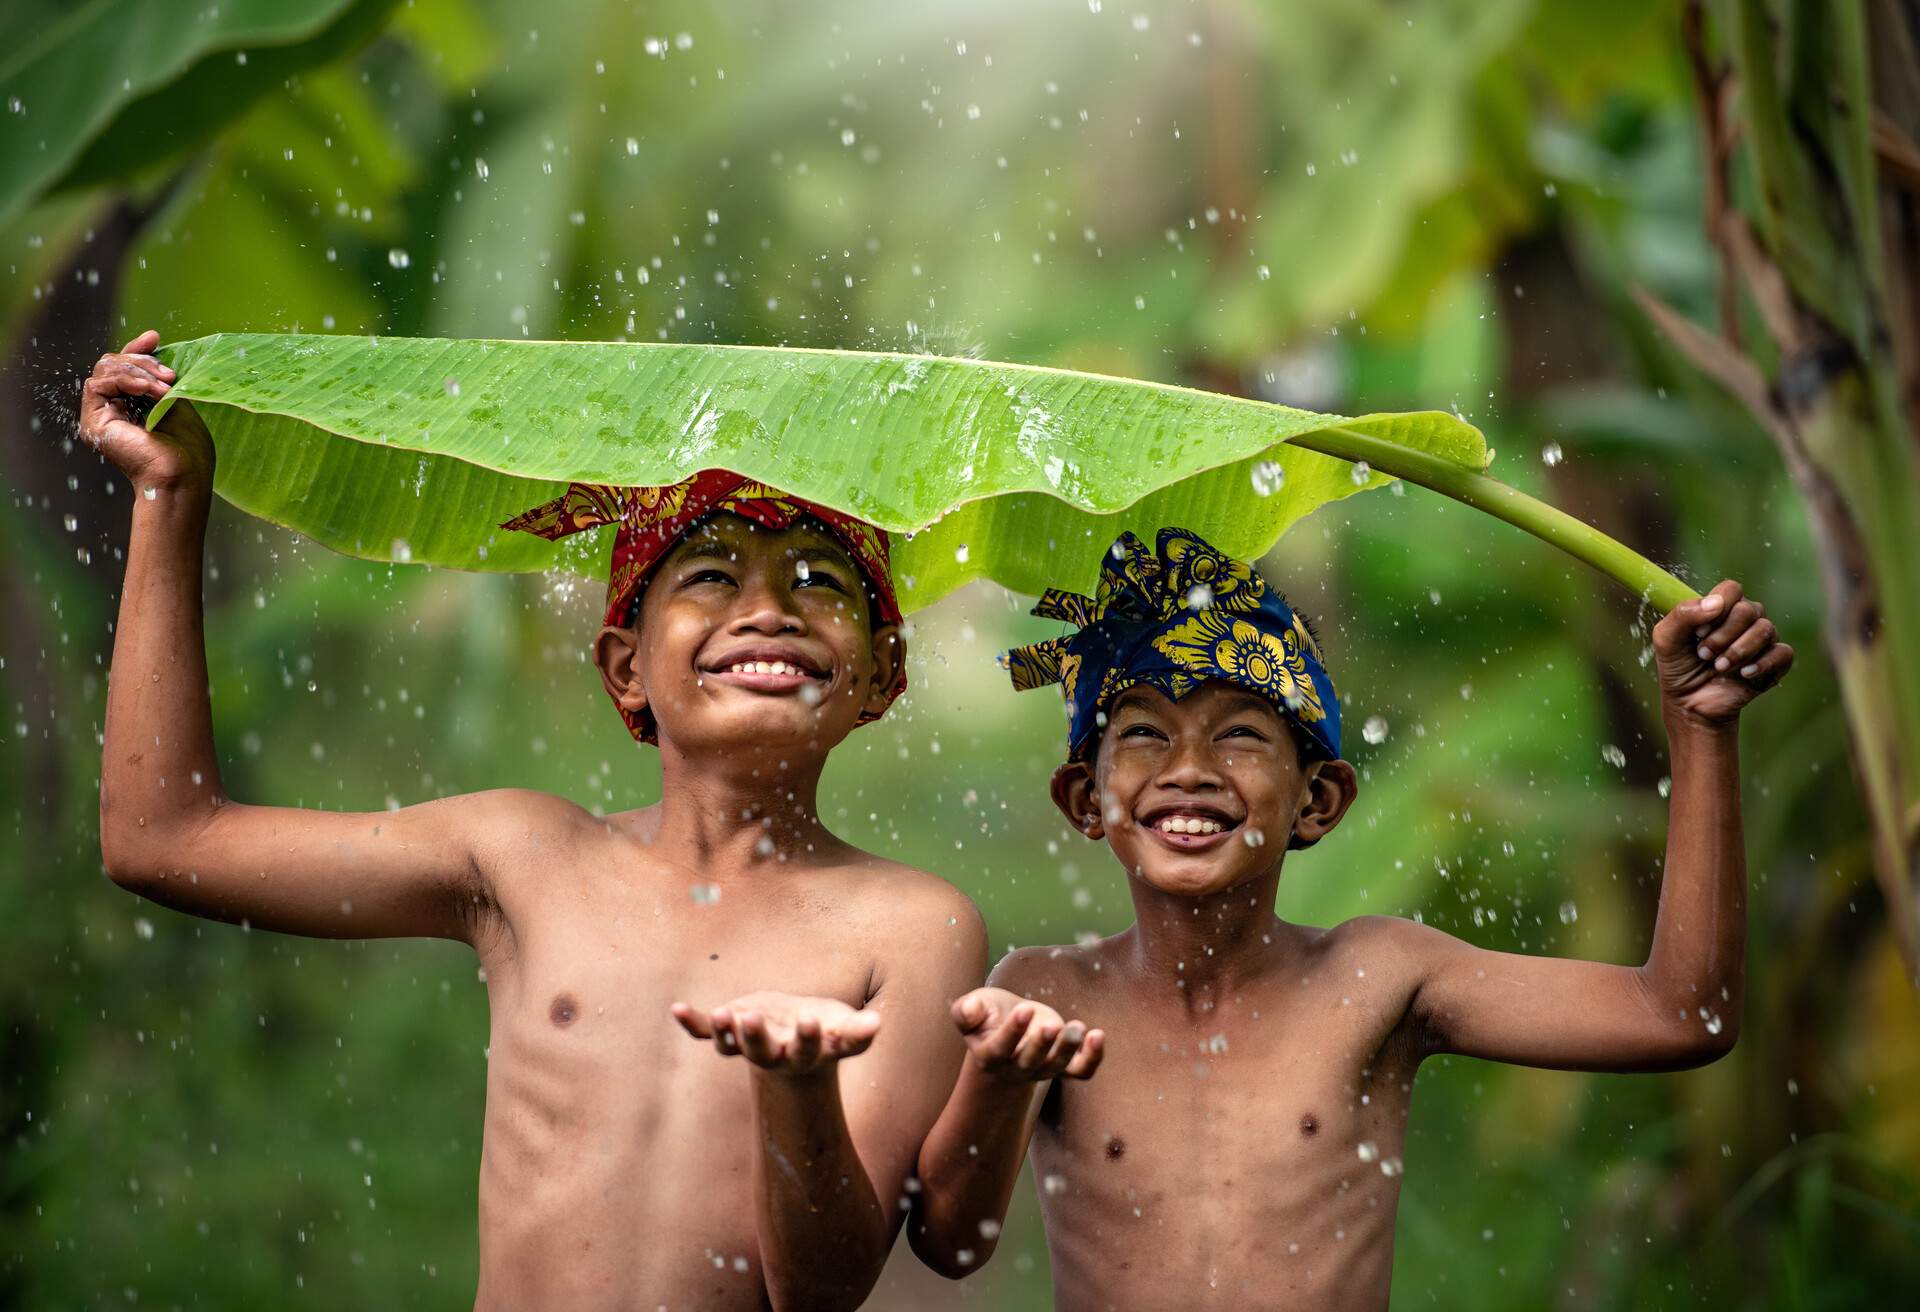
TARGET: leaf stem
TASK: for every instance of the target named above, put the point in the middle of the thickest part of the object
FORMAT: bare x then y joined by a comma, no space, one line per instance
1635,572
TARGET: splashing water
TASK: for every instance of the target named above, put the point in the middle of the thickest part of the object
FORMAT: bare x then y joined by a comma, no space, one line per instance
1613,756
1362,471
1551,454
1374,730
1268,478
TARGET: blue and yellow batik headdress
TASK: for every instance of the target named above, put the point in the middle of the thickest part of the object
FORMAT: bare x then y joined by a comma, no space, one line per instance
1174,618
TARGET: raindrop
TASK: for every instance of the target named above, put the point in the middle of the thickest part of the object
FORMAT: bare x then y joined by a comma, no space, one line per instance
1713,1024
989,1228
480,169
1265,273
847,136
633,146
706,894
143,927
1569,913
1613,756
683,41
453,386
1374,730
398,258
149,493
1199,597
1665,785
960,553
973,111
72,522
1268,478
1055,1185
402,551
1369,1152
765,846
1362,471
15,105
1254,837
1551,454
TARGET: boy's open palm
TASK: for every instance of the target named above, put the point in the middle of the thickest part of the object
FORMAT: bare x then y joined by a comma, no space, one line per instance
179,451
1717,653
1015,1038
781,1032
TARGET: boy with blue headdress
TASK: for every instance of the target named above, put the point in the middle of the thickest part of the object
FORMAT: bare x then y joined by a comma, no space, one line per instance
1242,1144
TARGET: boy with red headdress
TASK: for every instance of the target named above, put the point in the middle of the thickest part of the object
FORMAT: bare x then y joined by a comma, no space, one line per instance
747,633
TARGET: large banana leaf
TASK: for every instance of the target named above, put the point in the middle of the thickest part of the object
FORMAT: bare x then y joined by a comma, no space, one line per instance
416,448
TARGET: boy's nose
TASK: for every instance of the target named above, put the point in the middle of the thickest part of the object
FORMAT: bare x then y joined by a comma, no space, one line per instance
763,608
1191,767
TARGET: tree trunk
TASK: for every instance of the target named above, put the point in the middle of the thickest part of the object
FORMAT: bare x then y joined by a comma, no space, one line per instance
1828,261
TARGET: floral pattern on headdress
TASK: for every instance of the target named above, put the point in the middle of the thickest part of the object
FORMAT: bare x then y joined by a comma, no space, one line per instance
1173,618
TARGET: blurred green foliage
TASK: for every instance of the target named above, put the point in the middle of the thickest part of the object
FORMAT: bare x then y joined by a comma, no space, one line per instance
1369,205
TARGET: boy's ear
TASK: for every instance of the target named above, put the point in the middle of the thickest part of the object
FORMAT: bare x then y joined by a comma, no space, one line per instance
1074,794
889,654
616,652
1331,788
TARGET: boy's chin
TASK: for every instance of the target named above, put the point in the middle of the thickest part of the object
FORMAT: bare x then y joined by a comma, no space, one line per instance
778,726
1192,876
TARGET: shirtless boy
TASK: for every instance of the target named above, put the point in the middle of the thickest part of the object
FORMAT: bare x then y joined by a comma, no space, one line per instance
748,633
1241,1147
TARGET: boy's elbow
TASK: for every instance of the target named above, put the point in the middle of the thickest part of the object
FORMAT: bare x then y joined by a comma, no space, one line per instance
943,1259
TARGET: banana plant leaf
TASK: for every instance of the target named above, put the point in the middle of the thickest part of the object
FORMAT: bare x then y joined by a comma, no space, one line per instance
415,449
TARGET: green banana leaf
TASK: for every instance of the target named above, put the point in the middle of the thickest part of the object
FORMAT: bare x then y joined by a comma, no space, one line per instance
415,449
97,89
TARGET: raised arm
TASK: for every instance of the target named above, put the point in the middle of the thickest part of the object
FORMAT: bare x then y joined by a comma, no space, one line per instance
1682,1008
836,1138
1016,1048
168,831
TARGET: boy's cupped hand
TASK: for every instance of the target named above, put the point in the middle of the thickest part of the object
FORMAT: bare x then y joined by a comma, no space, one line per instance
1718,652
179,452
781,1032
1016,1038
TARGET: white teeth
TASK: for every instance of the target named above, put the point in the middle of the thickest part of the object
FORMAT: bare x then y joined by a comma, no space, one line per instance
764,667
1186,824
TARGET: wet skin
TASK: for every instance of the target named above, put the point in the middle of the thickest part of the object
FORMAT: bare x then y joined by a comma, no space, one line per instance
622,1164
1242,1143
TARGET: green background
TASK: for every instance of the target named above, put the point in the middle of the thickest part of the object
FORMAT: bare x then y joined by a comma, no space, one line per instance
1365,206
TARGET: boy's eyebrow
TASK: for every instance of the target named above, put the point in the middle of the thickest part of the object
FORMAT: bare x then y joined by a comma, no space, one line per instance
708,548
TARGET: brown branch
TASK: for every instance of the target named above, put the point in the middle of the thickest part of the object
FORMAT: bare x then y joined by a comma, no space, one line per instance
1897,151
1711,87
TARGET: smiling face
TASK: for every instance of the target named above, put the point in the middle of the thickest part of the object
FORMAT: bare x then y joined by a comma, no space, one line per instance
1199,795
748,636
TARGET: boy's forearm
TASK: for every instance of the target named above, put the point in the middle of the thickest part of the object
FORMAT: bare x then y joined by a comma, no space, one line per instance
158,771
823,1233
968,1167
1699,940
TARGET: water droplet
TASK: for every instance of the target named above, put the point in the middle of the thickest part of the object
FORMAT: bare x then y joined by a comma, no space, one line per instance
847,136
72,523
1254,837
480,169
1217,1043
15,105
989,1228
960,553
143,927
402,551
453,386
1362,471
706,894
1369,1152
149,493
1665,785
765,846
1613,756
633,146
398,258
1055,1185
1265,273
973,111
1199,597
1569,913
1268,478
1713,1024
1551,454
1374,730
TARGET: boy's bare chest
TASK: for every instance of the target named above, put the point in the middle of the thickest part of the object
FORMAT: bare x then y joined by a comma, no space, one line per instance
627,947
1301,1081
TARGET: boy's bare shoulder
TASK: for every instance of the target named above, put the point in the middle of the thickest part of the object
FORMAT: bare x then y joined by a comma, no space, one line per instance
913,907
1057,975
1390,945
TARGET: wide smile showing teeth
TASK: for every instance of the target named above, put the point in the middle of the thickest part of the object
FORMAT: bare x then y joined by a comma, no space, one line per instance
768,667
1188,824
